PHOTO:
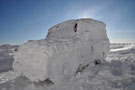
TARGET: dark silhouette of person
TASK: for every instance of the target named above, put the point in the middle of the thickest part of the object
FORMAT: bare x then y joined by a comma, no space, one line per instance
75,27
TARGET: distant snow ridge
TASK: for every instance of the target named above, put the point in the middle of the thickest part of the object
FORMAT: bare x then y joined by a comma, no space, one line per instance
69,47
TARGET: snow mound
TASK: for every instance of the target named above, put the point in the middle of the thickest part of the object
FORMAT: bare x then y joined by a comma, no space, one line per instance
114,75
68,48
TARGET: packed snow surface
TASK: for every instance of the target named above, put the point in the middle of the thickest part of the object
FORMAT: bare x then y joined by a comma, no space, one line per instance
68,48
6,57
118,73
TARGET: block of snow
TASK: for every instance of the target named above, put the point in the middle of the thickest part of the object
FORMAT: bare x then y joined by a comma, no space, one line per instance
67,46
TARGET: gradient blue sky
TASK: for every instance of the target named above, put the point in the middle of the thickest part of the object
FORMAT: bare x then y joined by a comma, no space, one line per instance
22,20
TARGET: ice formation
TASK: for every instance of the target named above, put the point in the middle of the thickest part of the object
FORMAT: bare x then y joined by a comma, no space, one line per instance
68,47
117,73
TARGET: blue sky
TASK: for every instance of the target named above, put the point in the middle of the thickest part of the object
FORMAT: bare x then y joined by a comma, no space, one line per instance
23,20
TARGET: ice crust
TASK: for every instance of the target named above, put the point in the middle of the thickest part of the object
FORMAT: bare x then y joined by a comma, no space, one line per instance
117,73
59,55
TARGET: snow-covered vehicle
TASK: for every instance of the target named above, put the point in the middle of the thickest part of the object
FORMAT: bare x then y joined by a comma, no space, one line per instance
68,48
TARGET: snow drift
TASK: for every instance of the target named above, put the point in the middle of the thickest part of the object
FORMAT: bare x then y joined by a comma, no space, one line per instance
118,73
68,48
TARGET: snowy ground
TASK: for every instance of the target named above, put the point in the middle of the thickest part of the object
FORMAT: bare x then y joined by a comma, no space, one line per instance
118,73
6,57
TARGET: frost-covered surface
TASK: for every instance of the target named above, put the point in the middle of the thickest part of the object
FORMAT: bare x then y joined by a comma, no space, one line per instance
67,50
6,57
113,75
7,76
122,52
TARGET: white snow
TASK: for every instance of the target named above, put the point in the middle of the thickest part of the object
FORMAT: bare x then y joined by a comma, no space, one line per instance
118,73
63,52
121,52
7,76
124,48
115,75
